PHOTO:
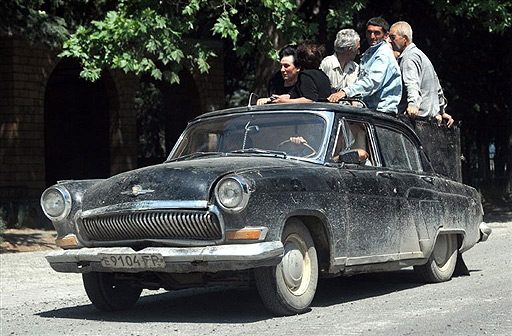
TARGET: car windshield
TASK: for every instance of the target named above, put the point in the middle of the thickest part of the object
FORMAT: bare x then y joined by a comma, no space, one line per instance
277,133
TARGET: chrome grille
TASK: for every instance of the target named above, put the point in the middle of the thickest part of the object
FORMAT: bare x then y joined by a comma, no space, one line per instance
152,225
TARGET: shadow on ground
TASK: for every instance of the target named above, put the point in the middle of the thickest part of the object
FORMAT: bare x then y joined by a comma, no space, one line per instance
27,241
225,304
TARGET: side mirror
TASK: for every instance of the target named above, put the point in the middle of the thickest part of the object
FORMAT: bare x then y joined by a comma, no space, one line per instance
349,156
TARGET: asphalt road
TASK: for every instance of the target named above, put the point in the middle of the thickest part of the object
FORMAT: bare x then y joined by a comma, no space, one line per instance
35,300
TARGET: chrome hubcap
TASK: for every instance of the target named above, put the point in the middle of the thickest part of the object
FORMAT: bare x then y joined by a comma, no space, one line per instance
293,267
296,265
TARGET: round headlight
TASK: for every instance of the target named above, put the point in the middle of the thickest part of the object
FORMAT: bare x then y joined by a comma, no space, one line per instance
232,193
56,202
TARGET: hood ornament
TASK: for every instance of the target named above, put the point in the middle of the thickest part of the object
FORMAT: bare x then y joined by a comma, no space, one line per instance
136,191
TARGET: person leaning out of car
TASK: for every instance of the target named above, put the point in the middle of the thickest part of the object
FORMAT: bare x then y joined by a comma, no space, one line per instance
283,81
312,83
422,95
379,82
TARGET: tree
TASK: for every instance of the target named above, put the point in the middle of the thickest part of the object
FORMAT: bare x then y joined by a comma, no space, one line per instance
160,37
50,22
464,39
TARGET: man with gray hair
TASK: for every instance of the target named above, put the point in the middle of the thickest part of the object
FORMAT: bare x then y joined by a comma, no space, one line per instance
340,67
422,95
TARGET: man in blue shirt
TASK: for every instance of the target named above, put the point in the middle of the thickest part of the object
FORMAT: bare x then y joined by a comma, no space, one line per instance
379,82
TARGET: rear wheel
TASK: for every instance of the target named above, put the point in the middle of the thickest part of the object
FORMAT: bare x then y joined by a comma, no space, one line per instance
109,294
442,261
289,287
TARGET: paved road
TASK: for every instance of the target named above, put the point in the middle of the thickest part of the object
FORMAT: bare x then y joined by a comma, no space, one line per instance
35,300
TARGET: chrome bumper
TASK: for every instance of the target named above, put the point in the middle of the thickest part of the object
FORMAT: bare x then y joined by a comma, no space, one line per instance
485,231
177,259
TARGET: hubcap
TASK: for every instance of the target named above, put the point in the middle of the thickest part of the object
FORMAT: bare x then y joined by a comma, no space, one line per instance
296,265
440,250
293,267
443,251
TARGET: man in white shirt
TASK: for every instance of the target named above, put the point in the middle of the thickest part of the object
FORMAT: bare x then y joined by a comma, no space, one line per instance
340,67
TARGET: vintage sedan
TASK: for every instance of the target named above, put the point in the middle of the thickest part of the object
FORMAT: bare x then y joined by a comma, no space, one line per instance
275,195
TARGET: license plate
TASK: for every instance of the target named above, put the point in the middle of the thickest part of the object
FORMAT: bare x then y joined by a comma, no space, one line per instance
132,260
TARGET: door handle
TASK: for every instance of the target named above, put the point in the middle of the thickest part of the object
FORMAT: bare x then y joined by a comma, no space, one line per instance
384,174
428,179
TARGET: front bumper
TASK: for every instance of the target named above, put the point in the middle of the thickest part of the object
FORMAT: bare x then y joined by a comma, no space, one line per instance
177,259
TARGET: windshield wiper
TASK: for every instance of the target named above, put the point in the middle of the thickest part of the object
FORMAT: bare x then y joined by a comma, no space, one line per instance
260,151
194,155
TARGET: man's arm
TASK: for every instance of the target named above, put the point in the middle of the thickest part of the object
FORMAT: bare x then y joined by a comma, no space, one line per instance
287,99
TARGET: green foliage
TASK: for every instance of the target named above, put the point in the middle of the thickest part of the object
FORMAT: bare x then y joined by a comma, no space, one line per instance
341,14
28,18
495,15
48,21
157,37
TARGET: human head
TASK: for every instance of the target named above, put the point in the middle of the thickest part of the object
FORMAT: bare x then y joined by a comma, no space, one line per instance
309,55
289,65
376,30
347,41
289,50
400,35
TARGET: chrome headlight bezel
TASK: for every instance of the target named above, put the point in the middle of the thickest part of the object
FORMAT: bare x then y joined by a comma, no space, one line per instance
66,200
239,186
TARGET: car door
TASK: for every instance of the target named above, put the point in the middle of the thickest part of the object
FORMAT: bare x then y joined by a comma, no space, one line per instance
372,207
421,208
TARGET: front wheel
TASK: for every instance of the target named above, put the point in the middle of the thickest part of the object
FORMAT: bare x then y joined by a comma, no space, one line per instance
109,294
289,287
442,261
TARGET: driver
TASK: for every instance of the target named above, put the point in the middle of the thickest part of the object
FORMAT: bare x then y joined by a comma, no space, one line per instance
300,141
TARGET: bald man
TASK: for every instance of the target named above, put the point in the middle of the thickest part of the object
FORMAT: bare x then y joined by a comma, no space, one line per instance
422,94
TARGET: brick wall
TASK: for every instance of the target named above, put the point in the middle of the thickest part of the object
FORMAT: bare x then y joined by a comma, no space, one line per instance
24,72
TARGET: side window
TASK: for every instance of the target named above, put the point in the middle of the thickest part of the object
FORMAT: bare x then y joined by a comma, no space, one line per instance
397,150
354,135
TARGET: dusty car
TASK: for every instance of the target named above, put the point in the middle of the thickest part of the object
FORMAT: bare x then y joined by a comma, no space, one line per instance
275,195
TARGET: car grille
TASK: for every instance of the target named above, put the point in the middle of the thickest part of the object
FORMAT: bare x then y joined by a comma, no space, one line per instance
152,225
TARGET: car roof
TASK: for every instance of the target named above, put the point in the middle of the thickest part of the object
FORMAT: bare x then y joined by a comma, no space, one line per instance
315,106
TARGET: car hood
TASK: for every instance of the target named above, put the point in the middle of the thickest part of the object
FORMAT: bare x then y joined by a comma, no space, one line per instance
189,180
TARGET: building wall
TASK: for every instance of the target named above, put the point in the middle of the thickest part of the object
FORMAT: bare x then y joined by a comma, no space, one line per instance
24,71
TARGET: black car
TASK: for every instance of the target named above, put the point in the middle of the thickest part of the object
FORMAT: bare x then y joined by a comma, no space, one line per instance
278,195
